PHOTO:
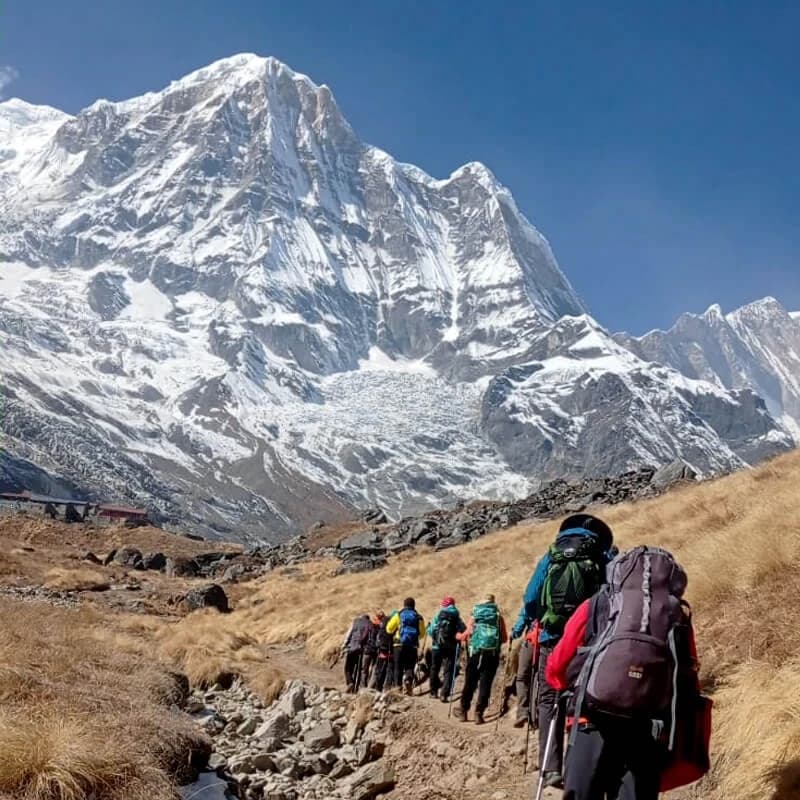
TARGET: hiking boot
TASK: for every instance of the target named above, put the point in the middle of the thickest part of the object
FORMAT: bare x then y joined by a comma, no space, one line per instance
460,714
409,690
479,720
351,687
553,780
444,698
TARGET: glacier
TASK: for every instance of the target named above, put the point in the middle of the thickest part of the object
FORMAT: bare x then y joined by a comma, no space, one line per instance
217,301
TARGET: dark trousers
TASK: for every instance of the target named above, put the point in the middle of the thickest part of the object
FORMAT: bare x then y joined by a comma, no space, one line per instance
383,672
367,665
352,668
405,659
618,761
443,660
481,669
524,680
547,711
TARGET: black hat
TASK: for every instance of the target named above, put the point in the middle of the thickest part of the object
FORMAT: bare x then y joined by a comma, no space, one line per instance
593,525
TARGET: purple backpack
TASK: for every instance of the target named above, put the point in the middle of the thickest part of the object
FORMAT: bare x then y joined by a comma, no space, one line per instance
631,667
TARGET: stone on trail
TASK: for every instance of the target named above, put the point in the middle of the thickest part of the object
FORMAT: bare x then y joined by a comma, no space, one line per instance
293,699
264,763
212,596
371,780
672,473
321,737
276,726
154,561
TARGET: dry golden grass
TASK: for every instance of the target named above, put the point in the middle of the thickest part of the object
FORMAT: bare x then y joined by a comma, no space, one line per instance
80,579
84,711
209,651
740,543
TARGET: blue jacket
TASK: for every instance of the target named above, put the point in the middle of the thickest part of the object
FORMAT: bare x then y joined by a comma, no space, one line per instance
460,625
530,610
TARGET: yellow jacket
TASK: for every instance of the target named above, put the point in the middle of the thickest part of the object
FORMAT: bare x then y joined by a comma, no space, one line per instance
393,627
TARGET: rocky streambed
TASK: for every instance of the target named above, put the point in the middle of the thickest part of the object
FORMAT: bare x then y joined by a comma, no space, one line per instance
311,744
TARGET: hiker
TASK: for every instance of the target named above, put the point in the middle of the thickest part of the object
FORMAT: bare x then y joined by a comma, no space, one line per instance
484,638
407,627
442,630
626,720
370,652
571,571
71,514
353,650
383,672
50,511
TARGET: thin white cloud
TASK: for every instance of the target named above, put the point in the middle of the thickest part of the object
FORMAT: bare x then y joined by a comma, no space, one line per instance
7,76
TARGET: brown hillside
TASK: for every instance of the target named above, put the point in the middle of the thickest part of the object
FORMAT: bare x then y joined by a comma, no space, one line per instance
740,543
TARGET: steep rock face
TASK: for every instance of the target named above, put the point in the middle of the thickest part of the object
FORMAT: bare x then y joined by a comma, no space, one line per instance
587,403
756,347
217,302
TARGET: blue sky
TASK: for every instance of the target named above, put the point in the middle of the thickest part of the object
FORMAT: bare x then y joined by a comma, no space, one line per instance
654,144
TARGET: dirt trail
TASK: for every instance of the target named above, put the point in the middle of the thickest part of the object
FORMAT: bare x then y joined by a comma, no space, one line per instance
436,756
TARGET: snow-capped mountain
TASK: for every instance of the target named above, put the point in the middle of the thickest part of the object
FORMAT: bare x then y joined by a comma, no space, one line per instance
756,347
216,300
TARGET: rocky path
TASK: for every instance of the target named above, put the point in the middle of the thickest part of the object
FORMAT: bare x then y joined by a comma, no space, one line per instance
316,742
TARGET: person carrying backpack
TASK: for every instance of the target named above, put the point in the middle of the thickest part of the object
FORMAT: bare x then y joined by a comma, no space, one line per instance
639,725
383,671
407,627
370,653
443,630
571,571
353,649
484,637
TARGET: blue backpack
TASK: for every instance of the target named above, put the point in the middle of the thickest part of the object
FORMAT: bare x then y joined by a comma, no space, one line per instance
409,627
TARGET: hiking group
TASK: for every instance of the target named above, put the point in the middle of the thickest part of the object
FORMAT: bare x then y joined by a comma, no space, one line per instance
384,652
607,665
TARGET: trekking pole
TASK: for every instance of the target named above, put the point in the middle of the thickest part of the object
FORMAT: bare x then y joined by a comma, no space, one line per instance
357,684
504,699
551,735
453,680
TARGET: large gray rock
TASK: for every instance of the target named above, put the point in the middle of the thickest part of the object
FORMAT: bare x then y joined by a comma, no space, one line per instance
292,699
671,474
371,780
321,737
276,726
212,596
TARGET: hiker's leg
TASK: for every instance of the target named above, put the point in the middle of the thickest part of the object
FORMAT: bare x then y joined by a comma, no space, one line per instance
448,663
409,659
644,760
367,661
524,680
488,669
585,776
378,674
351,667
397,665
436,667
470,682
547,701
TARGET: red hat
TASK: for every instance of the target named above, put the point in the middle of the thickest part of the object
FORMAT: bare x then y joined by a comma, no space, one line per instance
448,601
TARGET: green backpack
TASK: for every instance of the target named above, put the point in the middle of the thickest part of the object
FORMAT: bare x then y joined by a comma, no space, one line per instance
486,630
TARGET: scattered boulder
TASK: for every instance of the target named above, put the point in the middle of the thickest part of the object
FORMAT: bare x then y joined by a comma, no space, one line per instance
154,561
182,567
128,557
373,516
321,737
212,596
91,558
371,780
671,474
